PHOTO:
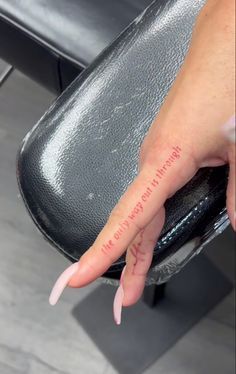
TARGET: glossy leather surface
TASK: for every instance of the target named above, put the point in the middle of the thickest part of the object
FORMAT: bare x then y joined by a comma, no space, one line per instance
79,159
76,29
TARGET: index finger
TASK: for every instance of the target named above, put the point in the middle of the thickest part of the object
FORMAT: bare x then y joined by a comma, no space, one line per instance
159,178
136,208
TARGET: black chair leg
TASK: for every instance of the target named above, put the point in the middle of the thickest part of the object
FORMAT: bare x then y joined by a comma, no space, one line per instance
153,294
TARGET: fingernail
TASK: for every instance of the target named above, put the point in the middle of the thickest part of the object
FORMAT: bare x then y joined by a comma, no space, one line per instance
62,282
118,300
229,130
117,305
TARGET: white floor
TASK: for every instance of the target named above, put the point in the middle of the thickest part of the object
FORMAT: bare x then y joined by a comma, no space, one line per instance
38,339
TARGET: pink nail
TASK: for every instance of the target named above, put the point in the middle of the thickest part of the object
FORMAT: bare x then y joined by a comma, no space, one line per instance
118,300
117,305
62,282
229,129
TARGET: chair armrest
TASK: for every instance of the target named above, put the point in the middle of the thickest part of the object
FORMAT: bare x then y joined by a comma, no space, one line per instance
79,159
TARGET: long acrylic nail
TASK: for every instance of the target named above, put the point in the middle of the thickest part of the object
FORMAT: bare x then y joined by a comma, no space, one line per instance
117,305
229,130
62,282
118,300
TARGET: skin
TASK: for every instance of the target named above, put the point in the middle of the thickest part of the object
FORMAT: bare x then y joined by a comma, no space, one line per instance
200,101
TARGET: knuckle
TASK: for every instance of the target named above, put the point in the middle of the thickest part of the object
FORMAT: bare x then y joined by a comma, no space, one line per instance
116,214
91,266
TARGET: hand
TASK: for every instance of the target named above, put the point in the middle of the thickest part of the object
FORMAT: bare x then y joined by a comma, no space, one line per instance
185,136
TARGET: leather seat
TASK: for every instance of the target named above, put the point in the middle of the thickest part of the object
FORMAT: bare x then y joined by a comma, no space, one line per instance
78,160
52,41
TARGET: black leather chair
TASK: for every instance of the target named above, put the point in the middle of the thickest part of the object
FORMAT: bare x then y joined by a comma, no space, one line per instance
78,160
53,41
